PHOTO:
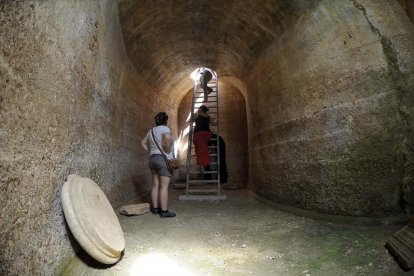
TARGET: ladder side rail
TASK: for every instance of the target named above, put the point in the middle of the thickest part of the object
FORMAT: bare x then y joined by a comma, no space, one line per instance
190,137
218,138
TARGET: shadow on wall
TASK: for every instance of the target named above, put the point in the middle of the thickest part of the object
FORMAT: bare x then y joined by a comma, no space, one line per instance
81,254
143,193
408,6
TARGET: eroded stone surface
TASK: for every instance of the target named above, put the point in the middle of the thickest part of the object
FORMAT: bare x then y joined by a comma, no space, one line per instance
327,86
330,112
70,102
135,209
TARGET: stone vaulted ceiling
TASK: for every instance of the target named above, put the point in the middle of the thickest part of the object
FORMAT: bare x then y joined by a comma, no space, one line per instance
167,39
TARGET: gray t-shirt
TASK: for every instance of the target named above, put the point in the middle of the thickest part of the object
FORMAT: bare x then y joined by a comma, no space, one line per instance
158,132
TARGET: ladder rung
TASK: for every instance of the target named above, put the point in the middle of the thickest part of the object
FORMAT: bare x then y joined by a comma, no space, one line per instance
201,89
203,197
212,139
208,101
211,163
208,108
198,172
203,191
201,96
197,105
212,103
202,181
212,81
211,86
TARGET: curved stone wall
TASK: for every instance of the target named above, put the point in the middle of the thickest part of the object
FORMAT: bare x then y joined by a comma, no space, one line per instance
332,112
168,40
70,102
327,86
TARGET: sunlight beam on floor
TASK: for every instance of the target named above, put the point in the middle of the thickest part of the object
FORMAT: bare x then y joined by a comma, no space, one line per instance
157,264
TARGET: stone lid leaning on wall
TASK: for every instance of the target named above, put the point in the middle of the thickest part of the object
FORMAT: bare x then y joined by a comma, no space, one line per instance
92,219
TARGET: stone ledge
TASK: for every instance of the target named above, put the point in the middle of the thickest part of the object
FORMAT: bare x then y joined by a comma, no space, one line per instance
365,221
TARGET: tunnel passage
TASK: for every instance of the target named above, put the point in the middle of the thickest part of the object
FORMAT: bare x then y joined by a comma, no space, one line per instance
327,89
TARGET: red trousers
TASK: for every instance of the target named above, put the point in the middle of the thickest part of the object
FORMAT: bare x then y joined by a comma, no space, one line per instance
200,140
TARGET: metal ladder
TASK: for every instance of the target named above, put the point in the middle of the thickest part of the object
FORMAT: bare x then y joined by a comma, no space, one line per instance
196,188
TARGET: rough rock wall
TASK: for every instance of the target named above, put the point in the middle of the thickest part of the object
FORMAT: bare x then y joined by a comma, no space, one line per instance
70,102
408,6
233,129
330,107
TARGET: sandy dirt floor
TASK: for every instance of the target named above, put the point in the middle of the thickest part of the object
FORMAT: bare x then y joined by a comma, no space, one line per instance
242,236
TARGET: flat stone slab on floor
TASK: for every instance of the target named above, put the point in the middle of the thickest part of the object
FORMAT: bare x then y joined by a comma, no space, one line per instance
135,209
401,246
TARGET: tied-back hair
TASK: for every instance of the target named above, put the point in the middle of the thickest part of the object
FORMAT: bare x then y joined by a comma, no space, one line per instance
161,119
204,108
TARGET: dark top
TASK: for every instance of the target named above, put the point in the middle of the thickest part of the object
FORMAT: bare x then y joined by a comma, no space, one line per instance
207,76
223,166
202,124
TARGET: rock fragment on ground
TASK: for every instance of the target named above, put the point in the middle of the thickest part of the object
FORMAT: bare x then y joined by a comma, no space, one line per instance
135,209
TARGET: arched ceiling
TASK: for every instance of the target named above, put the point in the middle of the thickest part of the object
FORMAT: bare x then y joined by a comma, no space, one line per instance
167,39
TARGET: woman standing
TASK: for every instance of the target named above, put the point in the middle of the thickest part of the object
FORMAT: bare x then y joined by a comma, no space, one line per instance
157,139
202,135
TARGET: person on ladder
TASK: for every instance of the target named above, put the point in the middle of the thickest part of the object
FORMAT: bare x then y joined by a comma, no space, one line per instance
205,77
202,135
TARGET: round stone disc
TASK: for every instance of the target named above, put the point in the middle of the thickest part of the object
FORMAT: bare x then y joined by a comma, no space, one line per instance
92,219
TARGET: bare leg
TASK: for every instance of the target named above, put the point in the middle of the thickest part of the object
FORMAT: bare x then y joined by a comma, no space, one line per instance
207,91
155,188
165,181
